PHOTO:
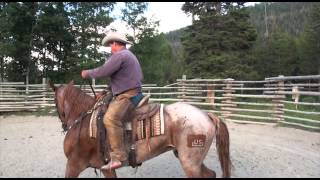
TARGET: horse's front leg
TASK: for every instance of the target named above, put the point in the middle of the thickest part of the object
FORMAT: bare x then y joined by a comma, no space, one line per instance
109,173
74,168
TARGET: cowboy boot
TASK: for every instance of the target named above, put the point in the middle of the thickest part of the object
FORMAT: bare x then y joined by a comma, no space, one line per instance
118,155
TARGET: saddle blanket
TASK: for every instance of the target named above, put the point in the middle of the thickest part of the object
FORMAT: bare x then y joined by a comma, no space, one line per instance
156,125
155,122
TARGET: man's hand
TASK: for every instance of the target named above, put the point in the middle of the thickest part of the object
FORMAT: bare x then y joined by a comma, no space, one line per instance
84,74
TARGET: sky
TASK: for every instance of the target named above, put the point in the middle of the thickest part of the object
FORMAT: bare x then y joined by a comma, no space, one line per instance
169,14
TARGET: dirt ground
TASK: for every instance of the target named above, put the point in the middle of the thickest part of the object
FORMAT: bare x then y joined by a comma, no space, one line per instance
32,146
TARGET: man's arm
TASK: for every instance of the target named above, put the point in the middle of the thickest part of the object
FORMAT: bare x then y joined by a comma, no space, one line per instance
107,69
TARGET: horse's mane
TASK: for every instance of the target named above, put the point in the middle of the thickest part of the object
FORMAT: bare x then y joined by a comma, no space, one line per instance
81,101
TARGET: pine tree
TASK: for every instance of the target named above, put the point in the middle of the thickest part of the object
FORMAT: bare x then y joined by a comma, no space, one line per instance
87,20
217,45
310,44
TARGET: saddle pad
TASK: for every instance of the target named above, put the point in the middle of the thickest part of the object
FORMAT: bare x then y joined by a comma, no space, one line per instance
156,127
93,124
93,120
97,114
156,124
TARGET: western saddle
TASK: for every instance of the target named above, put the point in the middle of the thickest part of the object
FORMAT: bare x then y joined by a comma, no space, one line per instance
144,123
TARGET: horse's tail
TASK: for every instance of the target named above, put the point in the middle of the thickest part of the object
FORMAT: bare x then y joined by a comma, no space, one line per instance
222,144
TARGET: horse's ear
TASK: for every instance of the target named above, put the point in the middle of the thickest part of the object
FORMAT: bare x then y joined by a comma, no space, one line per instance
50,83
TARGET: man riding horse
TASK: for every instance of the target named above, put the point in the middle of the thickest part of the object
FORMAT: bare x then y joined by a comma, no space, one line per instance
126,75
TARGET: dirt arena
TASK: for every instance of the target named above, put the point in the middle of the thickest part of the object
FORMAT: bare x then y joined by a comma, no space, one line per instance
32,146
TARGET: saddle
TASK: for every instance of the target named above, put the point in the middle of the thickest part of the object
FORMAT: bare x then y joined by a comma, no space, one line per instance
145,122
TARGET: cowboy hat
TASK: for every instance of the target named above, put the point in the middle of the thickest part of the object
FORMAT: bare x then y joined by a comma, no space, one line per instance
114,36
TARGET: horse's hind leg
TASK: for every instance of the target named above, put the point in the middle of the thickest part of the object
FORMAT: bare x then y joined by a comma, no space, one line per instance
74,168
196,170
109,174
191,161
191,170
206,172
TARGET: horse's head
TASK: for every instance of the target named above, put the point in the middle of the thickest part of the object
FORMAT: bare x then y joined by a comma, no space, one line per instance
70,102
59,99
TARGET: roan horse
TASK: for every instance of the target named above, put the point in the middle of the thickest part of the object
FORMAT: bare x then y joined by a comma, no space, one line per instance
181,120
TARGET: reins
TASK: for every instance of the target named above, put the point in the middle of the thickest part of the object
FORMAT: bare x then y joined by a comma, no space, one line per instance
84,114
78,120
90,84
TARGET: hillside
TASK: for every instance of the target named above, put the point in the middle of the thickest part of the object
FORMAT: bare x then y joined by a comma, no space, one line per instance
290,17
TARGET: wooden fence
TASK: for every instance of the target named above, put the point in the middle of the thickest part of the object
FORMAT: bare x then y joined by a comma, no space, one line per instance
291,100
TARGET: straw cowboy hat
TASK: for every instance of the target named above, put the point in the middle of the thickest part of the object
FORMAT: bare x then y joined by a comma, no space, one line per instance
114,36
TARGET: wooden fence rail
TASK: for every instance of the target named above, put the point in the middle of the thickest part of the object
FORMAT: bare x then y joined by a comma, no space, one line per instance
292,100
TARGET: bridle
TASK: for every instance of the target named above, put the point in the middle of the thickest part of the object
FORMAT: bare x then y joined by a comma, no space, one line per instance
90,83
64,120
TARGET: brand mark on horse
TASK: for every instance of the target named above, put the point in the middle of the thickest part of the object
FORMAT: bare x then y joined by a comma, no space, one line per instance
196,140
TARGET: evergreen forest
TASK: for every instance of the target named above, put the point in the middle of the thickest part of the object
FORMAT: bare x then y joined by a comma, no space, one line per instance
56,40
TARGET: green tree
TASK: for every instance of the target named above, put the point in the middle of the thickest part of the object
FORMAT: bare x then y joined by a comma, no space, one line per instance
53,41
152,49
174,39
218,44
202,9
87,20
288,54
21,21
156,58
277,55
4,38
288,17
132,15
141,26
310,44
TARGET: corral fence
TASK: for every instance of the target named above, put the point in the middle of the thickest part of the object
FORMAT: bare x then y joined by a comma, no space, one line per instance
288,100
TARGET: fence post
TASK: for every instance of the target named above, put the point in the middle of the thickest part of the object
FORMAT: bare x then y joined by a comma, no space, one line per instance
295,95
210,95
1,89
227,93
184,79
44,92
27,91
279,104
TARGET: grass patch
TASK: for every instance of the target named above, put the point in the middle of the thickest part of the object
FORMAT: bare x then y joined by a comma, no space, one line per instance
300,115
